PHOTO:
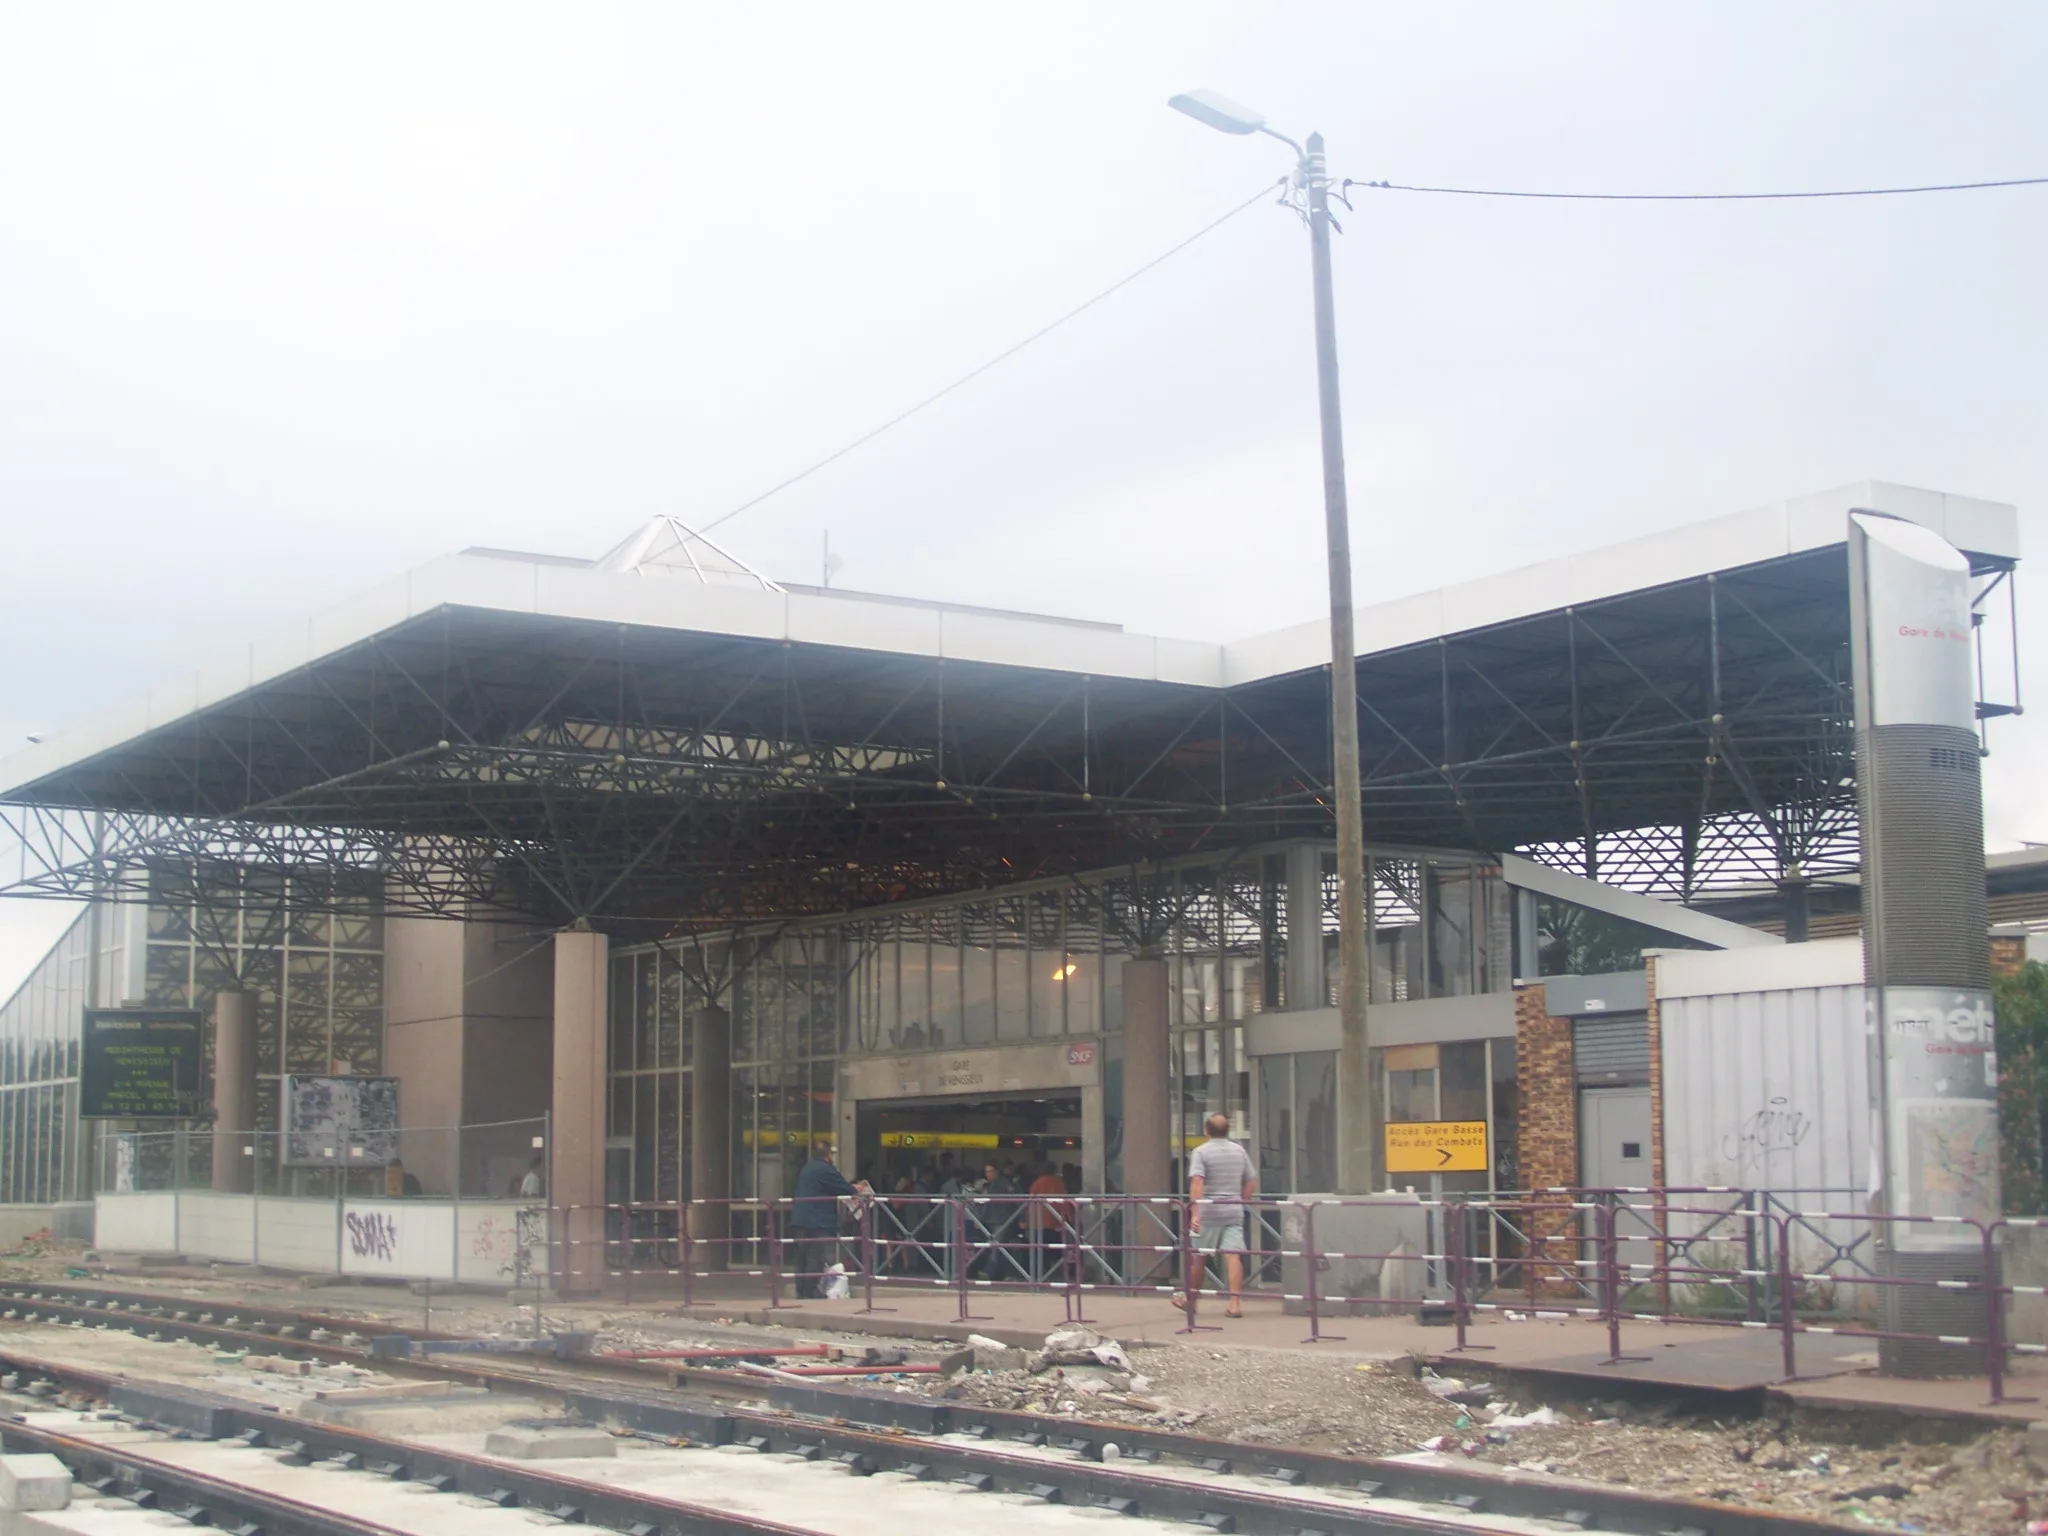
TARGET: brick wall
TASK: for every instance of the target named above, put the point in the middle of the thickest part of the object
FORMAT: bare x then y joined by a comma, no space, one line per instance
1547,1150
1656,1078
1548,1143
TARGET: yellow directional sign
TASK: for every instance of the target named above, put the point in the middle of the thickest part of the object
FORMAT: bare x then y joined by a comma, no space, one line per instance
1436,1146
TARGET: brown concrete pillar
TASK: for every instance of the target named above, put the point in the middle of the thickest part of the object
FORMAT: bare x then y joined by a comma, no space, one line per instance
234,1092
575,1190
711,1131
1148,1127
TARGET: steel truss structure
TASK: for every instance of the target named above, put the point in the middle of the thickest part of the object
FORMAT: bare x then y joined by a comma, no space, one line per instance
1680,740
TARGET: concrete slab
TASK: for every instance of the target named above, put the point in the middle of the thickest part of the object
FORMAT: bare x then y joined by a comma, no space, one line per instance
549,1444
390,1392
198,1413
101,1518
33,1481
442,1413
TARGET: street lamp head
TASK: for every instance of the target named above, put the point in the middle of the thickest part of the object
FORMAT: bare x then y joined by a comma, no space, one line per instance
1218,111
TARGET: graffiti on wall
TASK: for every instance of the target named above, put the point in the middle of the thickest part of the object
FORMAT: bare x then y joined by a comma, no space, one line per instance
1777,1127
372,1235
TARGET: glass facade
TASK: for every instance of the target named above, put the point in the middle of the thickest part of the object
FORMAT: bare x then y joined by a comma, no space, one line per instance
1439,927
1297,1123
786,995
1034,962
318,977
39,1045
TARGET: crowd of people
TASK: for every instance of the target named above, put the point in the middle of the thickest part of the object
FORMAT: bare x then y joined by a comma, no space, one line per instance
1014,1220
1018,1216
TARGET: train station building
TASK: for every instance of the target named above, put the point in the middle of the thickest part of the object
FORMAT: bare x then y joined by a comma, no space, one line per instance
701,872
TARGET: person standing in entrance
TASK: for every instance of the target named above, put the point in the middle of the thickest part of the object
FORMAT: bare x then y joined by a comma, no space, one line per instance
1220,1180
814,1219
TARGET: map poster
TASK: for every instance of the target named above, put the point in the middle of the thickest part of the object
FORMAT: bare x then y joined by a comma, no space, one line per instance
349,1122
1941,1088
140,1064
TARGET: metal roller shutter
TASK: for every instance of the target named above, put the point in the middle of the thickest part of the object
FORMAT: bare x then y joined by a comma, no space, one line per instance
1608,1053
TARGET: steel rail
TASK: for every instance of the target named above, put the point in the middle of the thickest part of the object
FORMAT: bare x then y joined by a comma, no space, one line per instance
875,1432
195,1497
581,1501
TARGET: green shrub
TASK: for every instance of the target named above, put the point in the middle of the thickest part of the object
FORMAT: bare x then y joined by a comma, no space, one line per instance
2021,1000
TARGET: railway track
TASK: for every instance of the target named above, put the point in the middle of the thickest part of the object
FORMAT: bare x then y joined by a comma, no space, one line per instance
1263,1491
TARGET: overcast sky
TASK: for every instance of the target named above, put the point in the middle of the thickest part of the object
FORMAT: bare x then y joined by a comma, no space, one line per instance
295,297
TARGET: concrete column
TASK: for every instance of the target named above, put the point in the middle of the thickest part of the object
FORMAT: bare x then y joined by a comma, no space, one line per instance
1305,977
234,1091
1148,1126
576,1152
711,1131
1094,1133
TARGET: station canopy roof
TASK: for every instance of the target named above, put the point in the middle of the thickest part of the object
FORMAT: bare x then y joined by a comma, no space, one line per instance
574,740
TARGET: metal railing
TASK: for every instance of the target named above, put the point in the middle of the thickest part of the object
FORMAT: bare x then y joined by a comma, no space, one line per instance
1711,1257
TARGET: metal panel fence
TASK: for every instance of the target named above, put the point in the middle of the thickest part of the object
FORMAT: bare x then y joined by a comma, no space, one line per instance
1729,1258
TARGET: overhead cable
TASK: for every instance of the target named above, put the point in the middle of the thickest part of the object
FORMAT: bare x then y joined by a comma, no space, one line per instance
1698,197
1001,357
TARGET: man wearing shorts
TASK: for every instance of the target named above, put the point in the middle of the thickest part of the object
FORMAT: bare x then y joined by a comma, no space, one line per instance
1220,1180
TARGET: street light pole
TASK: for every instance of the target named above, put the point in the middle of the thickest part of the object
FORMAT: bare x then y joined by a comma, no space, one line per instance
1357,1111
1354,1074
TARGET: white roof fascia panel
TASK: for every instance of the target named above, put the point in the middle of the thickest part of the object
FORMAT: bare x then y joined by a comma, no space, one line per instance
1386,626
1528,875
895,628
472,581
226,676
125,721
1927,508
1681,554
1815,522
1196,663
661,603
172,699
384,606
1982,527
1783,968
279,652
1277,652
1046,647
1510,595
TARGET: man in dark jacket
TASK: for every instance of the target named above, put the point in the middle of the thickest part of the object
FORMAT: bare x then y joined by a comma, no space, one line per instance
814,1219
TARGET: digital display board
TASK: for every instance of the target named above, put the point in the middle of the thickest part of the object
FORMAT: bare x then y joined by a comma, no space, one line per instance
141,1064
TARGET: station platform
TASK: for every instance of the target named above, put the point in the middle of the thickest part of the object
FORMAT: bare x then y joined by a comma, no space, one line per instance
1835,1373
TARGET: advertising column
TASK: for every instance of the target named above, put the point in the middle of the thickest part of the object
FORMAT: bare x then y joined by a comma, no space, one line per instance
1933,1066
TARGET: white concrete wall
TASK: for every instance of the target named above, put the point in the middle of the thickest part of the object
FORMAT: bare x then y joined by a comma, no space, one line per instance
294,1234
490,1243
136,1223
402,1239
213,1226
398,1237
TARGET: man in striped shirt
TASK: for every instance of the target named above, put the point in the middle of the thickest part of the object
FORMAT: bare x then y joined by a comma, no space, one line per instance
1220,1180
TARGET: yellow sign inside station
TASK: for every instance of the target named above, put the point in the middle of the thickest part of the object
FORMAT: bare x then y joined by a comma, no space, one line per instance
1436,1146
